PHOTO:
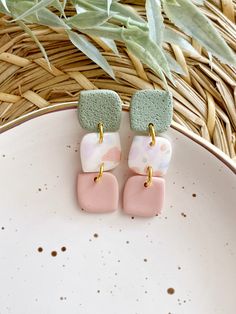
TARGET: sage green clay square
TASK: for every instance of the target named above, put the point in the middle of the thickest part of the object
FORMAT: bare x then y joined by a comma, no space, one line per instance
99,106
151,106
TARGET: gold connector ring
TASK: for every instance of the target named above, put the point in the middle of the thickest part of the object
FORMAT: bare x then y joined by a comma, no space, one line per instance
101,133
98,177
152,134
149,177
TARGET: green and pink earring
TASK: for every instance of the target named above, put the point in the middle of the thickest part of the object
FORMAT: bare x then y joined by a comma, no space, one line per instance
149,157
99,112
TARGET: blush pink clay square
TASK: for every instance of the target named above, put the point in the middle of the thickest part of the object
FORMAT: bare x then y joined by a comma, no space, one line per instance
97,197
143,201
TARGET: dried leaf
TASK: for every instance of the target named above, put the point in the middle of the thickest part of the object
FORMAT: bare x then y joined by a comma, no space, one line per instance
33,36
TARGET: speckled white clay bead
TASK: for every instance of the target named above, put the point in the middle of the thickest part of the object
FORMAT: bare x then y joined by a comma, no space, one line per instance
93,153
142,155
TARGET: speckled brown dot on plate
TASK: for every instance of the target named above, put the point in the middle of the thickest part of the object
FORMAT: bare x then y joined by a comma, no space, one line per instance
170,291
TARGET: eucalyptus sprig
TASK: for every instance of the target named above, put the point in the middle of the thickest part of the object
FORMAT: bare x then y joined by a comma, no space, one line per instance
113,21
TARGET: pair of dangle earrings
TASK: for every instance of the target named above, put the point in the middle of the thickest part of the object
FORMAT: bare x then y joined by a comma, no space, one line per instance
99,112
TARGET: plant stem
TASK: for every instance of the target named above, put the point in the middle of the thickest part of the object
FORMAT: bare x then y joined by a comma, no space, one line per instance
128,21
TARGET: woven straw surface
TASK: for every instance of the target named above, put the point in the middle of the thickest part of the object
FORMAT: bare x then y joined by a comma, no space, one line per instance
204,100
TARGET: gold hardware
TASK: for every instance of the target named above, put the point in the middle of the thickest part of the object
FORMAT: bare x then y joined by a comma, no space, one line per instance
149,177
96,179
101,134
152,134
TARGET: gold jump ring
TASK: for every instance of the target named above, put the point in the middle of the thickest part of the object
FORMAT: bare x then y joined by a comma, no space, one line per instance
152,134
149,177
96,179
101,134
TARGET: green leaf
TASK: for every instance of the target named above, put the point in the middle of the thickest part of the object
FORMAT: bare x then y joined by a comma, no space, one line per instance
82,43
48,18
33,36
3,10
109,2
172,37
88,19
150,48
43,16
33,8
60,6
121,13
173,64
139,43
64,2
155,20
3,7
103,2
172,2
122,9
111,44
79,9
198,2
107,30
99,3
126,11
189,18
146,57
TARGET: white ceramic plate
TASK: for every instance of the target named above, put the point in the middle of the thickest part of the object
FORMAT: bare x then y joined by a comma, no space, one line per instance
181,262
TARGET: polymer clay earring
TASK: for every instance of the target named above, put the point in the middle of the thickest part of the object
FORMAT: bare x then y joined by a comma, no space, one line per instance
150,113
99,112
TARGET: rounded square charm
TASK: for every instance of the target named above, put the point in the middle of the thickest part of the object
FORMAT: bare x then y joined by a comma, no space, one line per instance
99,106
97,197
142,155
143,201
93,153
151,106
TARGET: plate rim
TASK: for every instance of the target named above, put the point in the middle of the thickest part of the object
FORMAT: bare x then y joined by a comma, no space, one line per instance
226,160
